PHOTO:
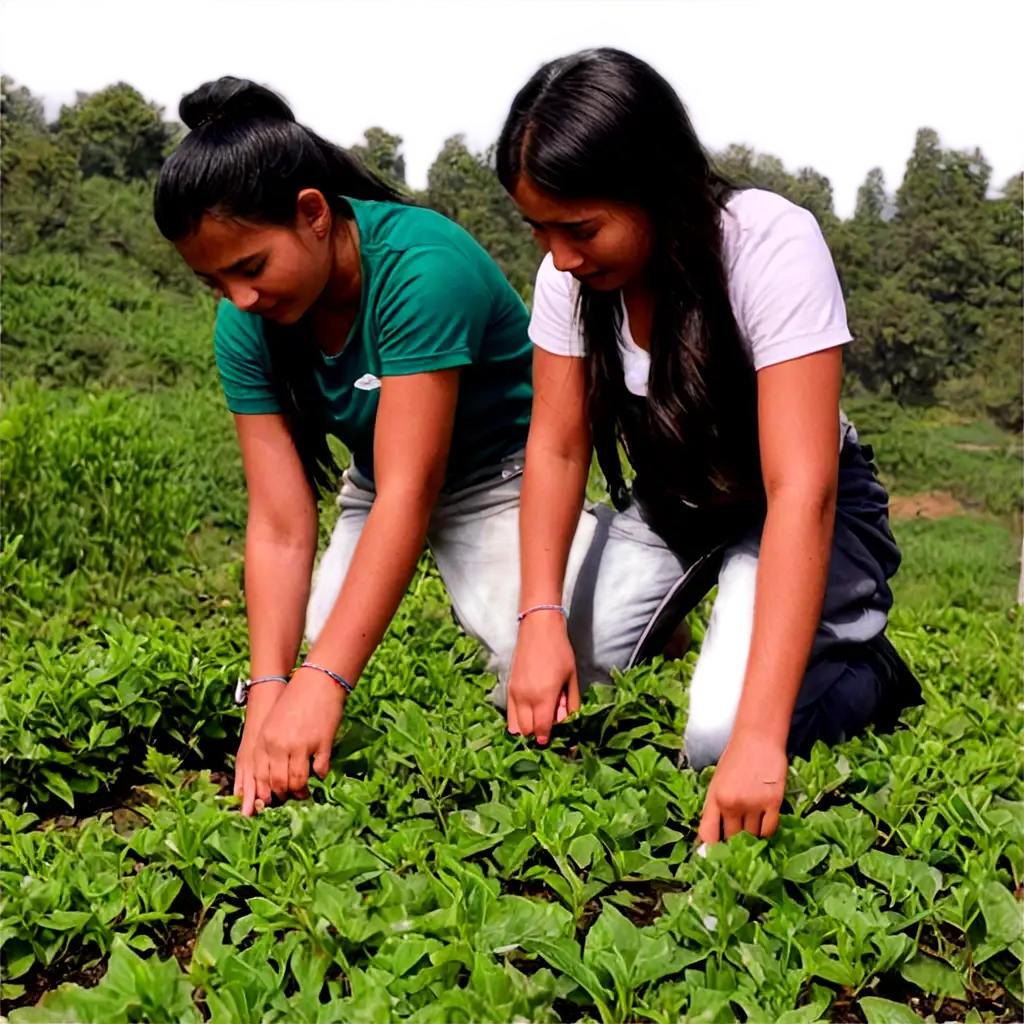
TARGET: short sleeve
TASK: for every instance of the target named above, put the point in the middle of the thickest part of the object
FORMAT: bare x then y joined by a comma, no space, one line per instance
433,314
785,285
244,362
554,325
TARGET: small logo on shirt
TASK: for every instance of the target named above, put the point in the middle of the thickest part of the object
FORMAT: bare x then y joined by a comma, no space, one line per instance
367,382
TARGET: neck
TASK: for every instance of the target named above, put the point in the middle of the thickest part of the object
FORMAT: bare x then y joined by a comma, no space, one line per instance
344,286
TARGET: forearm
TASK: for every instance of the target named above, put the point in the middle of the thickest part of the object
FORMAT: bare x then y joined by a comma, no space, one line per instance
554,484
383,564
791,578
277,581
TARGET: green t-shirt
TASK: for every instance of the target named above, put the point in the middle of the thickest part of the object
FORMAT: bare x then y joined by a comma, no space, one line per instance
432,299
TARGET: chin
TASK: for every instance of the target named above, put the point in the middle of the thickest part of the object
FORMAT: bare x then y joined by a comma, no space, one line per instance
604,283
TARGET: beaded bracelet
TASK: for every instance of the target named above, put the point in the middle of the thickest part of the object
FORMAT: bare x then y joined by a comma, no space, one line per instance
543,608
343,683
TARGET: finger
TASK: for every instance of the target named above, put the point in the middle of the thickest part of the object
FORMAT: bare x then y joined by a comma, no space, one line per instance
279,775
525,712
298,774
248,794
513,718
573,701
770,822
322,761
562,711
710,830
733,823
752,822
261,777
544,718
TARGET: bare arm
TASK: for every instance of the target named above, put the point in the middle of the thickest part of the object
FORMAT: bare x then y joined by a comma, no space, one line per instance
412,439
798,420
555,476
280,543
554,482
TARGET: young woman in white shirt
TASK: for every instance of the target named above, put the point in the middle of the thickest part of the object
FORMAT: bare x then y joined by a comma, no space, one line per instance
702,327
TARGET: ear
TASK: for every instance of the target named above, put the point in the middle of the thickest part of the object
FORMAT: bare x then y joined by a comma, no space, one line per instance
313,211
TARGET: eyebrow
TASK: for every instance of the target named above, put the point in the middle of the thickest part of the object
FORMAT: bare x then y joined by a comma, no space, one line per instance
236,266
560,223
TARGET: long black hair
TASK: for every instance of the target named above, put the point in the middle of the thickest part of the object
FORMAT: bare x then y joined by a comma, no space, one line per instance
247,157
604,125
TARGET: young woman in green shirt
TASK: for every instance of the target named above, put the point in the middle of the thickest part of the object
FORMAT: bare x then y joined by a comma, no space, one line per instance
346,311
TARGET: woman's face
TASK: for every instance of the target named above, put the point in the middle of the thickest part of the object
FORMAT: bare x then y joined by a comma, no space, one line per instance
275,271
601,243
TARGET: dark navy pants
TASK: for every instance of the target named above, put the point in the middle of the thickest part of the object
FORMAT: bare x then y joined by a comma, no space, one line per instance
634,590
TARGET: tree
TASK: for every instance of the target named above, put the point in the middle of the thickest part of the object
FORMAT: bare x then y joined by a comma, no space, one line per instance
39,178
19,107
807,188
942,229
117,133
465,188
902,348
872,201
382,154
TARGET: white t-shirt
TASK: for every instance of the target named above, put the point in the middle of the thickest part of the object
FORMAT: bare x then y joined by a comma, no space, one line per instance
783,288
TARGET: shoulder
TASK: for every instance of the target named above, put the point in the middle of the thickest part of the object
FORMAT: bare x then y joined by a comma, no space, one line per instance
757,225
554,324
420,252
783,284
234,329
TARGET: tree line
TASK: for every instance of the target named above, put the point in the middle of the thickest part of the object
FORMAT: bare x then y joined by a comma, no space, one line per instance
931,271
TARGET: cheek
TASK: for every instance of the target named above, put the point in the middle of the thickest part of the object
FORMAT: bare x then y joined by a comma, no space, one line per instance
620,246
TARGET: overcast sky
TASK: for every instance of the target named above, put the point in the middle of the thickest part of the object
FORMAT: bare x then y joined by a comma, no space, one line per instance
840,85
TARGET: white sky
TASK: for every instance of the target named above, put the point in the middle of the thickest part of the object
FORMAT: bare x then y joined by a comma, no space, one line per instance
841,85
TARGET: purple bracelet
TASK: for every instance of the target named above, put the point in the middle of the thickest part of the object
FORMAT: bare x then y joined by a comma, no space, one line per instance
543,608
343,683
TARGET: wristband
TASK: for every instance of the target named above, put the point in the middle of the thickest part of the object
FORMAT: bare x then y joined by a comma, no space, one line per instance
245,685
344,684
543,608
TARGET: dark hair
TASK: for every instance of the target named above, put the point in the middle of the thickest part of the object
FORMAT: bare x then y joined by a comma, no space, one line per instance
603,124
247,157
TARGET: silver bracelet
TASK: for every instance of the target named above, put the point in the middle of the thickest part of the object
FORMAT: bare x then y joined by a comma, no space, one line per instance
245,685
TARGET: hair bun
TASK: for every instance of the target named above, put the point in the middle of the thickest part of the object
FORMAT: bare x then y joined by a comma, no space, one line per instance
231,98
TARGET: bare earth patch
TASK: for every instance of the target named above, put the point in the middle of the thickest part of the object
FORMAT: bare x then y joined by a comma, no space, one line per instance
926,505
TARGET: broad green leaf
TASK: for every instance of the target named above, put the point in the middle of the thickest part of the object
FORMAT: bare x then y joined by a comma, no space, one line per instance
56,785
885,1011
799,867
933,976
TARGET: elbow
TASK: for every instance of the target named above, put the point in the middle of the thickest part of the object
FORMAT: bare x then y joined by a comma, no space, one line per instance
294,527
811,500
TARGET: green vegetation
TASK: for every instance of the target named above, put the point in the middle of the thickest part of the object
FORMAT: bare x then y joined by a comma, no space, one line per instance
446,871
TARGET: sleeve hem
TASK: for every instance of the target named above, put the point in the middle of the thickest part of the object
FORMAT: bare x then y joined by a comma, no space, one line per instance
253,406
784,349
424,364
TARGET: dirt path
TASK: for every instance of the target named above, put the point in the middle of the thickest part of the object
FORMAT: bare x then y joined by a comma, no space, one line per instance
926,505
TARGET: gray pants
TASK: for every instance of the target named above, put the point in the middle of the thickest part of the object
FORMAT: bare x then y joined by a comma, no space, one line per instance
474,538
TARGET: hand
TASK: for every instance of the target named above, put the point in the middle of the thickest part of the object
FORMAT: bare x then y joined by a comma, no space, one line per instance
542,687
302,725
261,701
747,789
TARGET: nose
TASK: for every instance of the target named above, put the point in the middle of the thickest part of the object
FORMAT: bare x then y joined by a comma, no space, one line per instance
564,257
244,297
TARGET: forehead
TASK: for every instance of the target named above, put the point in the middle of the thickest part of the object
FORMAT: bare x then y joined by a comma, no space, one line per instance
544,208
218,242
